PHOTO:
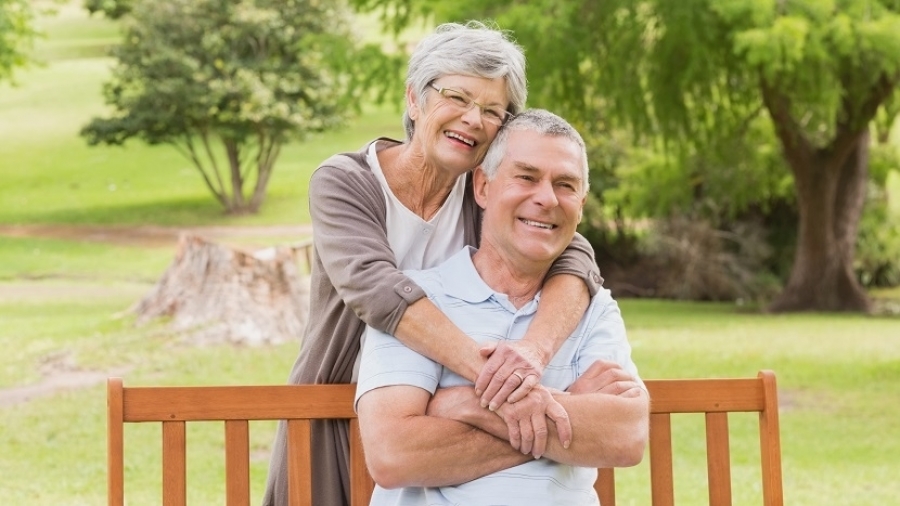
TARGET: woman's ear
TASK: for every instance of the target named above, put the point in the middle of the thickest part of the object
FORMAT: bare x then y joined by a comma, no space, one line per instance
412,103
480,185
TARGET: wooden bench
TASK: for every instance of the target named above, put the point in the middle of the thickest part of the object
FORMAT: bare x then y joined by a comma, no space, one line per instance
236,406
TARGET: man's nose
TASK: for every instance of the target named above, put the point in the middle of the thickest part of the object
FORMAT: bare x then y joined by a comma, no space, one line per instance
545,195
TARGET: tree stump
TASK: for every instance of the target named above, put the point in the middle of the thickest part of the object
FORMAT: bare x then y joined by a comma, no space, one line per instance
216,294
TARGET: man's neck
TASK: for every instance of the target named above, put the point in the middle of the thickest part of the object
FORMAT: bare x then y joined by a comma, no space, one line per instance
503,275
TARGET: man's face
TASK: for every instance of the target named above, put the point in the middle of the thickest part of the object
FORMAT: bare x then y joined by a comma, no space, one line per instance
534,203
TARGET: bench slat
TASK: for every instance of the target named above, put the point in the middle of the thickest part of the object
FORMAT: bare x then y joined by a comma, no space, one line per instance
299,463
237,463
173,463
718,459
661,485
238,402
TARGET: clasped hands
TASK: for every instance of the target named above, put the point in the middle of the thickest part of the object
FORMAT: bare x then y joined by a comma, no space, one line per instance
509,385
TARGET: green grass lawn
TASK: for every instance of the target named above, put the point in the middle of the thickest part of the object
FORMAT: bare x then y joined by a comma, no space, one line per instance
62,304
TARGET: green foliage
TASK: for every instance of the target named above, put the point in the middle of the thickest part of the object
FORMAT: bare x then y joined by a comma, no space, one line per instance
699,89
878,247
112,9
247,75
17,34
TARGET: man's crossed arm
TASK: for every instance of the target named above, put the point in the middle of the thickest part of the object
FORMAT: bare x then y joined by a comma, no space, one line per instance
415,440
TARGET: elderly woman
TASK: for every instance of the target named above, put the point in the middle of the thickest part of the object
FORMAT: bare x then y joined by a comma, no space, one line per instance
408,205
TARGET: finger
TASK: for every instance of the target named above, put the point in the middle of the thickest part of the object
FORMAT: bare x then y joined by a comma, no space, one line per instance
519,393
490,368
635,391
512,382
617,387
501,377
515,437
527,436
560,418
539,425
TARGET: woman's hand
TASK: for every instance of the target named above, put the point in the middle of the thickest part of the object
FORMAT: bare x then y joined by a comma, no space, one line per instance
523,424
512,370
526,421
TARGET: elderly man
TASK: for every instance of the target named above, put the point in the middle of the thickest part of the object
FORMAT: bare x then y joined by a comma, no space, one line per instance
428,440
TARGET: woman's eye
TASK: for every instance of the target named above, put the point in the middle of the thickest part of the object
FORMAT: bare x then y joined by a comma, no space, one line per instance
459,100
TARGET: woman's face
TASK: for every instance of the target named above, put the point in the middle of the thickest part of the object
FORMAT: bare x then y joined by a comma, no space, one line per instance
454,138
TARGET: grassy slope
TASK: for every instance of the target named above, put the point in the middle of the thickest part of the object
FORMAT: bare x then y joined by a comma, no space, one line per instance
837,374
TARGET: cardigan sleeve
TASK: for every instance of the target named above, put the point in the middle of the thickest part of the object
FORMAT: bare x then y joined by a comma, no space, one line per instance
348,215
578,260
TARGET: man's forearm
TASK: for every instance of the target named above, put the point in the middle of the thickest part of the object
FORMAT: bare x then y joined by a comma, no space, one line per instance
608,430
417,450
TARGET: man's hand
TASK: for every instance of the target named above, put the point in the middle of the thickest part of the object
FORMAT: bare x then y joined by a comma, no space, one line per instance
608,378
511,371
526,421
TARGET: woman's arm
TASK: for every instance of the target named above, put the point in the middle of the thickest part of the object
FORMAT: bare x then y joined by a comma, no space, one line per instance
573,279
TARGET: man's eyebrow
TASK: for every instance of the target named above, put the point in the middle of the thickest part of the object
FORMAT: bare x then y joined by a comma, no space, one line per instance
527,167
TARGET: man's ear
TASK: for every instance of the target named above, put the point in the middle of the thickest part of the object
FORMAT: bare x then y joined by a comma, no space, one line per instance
480,186
412,103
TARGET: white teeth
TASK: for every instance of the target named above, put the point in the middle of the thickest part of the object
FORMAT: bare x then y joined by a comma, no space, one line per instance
453,135
538,224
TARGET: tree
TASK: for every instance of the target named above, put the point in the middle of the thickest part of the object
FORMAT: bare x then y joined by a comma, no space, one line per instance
16,35
245,75
692,71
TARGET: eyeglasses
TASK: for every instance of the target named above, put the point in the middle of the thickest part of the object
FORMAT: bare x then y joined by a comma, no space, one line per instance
494,115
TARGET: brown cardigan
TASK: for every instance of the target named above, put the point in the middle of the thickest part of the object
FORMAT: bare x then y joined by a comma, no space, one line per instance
355,282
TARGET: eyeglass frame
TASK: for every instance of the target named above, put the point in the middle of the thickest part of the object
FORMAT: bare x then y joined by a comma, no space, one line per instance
471,102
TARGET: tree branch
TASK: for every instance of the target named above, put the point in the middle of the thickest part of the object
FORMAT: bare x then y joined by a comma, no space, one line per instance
192,155
856,120
797,147
204,135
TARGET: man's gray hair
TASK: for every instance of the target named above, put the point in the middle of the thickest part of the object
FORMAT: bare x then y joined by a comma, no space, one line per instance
474,49
534,120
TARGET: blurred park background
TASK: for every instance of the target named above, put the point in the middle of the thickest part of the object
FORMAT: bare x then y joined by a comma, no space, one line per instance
745,206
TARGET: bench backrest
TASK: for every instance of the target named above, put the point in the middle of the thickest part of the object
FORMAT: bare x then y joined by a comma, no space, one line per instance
715,398
238,405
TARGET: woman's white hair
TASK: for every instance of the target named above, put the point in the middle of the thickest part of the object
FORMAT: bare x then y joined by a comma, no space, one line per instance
473,49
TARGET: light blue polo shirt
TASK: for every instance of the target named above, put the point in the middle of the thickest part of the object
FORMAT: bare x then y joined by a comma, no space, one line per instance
487,316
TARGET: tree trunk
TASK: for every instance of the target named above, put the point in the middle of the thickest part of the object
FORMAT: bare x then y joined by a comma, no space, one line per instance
214,294
830,197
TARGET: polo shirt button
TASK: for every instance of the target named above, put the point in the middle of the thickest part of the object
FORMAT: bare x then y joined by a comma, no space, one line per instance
595,277
407,289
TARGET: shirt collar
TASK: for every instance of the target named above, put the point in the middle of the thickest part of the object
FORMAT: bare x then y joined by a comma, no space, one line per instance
461,281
